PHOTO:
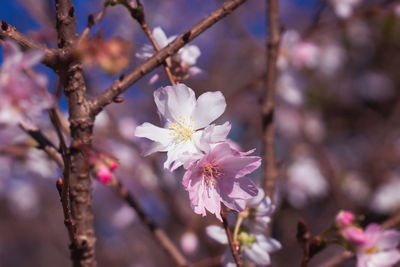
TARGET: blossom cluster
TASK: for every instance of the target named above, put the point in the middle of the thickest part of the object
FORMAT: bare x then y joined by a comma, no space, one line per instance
373,245
183,62
251,226
215,170
22,91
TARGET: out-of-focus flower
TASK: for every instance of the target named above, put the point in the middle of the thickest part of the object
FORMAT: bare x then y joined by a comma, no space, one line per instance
183,62
305,181
22,92
354,235
331,58
344,218
187,127
24,198
344,8
356,188
254,248
387,198
111,55
219,176
259,210
123,217
189,242
380,247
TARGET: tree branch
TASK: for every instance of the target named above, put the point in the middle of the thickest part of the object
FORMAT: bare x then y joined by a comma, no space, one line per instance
119,86
7,31
234,247
81,124
270,171
158,233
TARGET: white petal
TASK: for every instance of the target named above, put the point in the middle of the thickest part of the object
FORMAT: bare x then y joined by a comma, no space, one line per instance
154,133
160,37
217,233
175,101
209,107
189,54
257,255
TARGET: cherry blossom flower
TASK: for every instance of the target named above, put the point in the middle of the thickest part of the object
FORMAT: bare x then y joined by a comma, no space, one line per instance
259,209
22,96
187,130
380,248
254,248
219,176
183,63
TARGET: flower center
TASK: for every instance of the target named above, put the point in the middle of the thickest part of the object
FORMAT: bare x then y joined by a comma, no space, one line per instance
246,239
372,250
182,129
211,172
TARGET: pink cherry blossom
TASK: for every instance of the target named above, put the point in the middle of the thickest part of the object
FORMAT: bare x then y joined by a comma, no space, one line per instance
344,218
22,96
187,130
380,248
219,176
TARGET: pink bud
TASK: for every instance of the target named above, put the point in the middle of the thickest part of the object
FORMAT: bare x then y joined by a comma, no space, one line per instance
114,165
354,235
104,174
344,218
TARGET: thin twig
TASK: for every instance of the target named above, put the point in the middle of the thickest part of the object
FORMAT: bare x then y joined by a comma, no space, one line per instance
92,21
270,170
43,142
68,221
158,233
105,98
137,13
234,247
9,32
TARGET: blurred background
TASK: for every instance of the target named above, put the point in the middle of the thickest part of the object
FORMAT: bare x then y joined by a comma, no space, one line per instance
337,128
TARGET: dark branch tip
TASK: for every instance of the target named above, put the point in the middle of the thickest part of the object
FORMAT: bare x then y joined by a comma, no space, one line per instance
4,25
90,22
186,36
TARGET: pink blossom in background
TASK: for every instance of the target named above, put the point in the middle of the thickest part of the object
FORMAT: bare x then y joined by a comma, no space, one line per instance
219,176
187,129
344,218
380,248
22,96
183,62
344,8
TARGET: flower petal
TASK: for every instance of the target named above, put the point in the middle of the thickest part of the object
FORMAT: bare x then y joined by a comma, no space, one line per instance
217,233
160,37
209,107
154,133
175,101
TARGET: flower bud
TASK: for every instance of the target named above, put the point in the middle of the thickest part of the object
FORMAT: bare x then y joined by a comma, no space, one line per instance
344,218
104,174
354,235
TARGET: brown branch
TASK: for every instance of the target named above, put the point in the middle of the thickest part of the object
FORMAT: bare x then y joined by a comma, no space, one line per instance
346,255
68,221
81,125
9,32
43,142
93,21
102,100
270,170
158,233
303,237
234,247
137,13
